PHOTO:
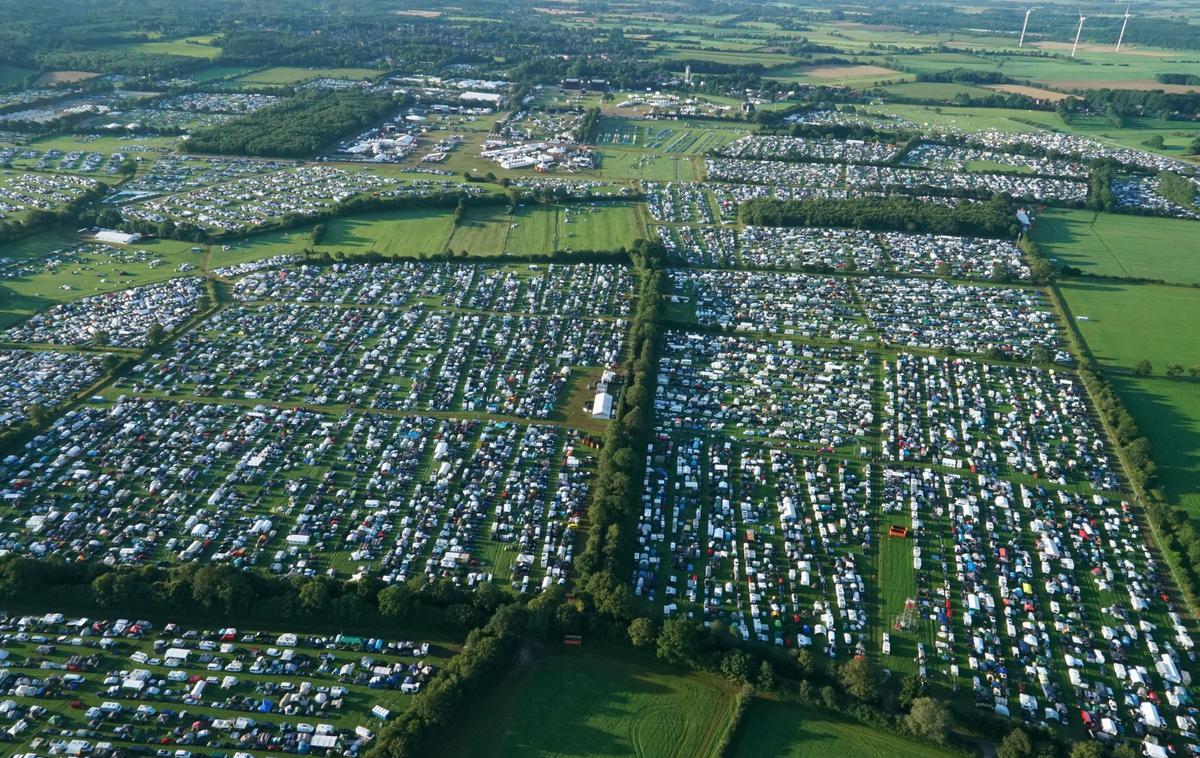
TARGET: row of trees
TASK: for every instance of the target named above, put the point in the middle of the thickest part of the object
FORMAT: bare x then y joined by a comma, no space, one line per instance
295,128
1179,537
994,218
220,590
615,496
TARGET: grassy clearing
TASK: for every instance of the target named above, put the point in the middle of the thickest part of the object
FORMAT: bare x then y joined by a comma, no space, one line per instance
411,233
1126,323
191,47
935,90
1109,244
1168,413
585,705
96,274
286,75
791,731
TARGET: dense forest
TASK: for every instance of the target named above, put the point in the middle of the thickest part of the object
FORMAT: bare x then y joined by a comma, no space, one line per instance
297,127
994,218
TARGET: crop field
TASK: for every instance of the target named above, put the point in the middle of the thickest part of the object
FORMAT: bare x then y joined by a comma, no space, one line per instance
144,681
847,75
580,705
1108,244
285,75
1168,413
792,731
1125,323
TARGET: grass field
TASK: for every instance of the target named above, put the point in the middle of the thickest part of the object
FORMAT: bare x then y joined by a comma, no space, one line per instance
1168,413
585,705
1135,131
1109,244
191,47
935,90
1128,322
783,730
285,75
24,296
412,232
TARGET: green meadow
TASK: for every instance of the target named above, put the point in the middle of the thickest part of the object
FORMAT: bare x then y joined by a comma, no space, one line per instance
580,705
1109,244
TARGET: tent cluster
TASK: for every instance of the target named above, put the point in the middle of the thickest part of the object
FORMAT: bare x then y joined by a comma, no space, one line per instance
680,202
1142,192
218,102
80,161
890,180
767,301
770,389
937,314
288,490
263,691
251,201
21,193
775,147
236,270
1082,148
775,558
829,117
915,181
122,318
999,420
958,158
699,245
1044,599
572,290
171,174
42,378
974,257
384,358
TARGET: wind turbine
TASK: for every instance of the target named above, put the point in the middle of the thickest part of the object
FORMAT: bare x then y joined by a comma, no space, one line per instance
1024,26
1124,23
1078,32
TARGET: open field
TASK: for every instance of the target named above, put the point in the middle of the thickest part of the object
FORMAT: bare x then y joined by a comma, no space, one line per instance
279,76
784,730
1135,131
585,705
64,77
1022,89
1124,323
1110,244
848,75
191,47
93,273
1168,413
